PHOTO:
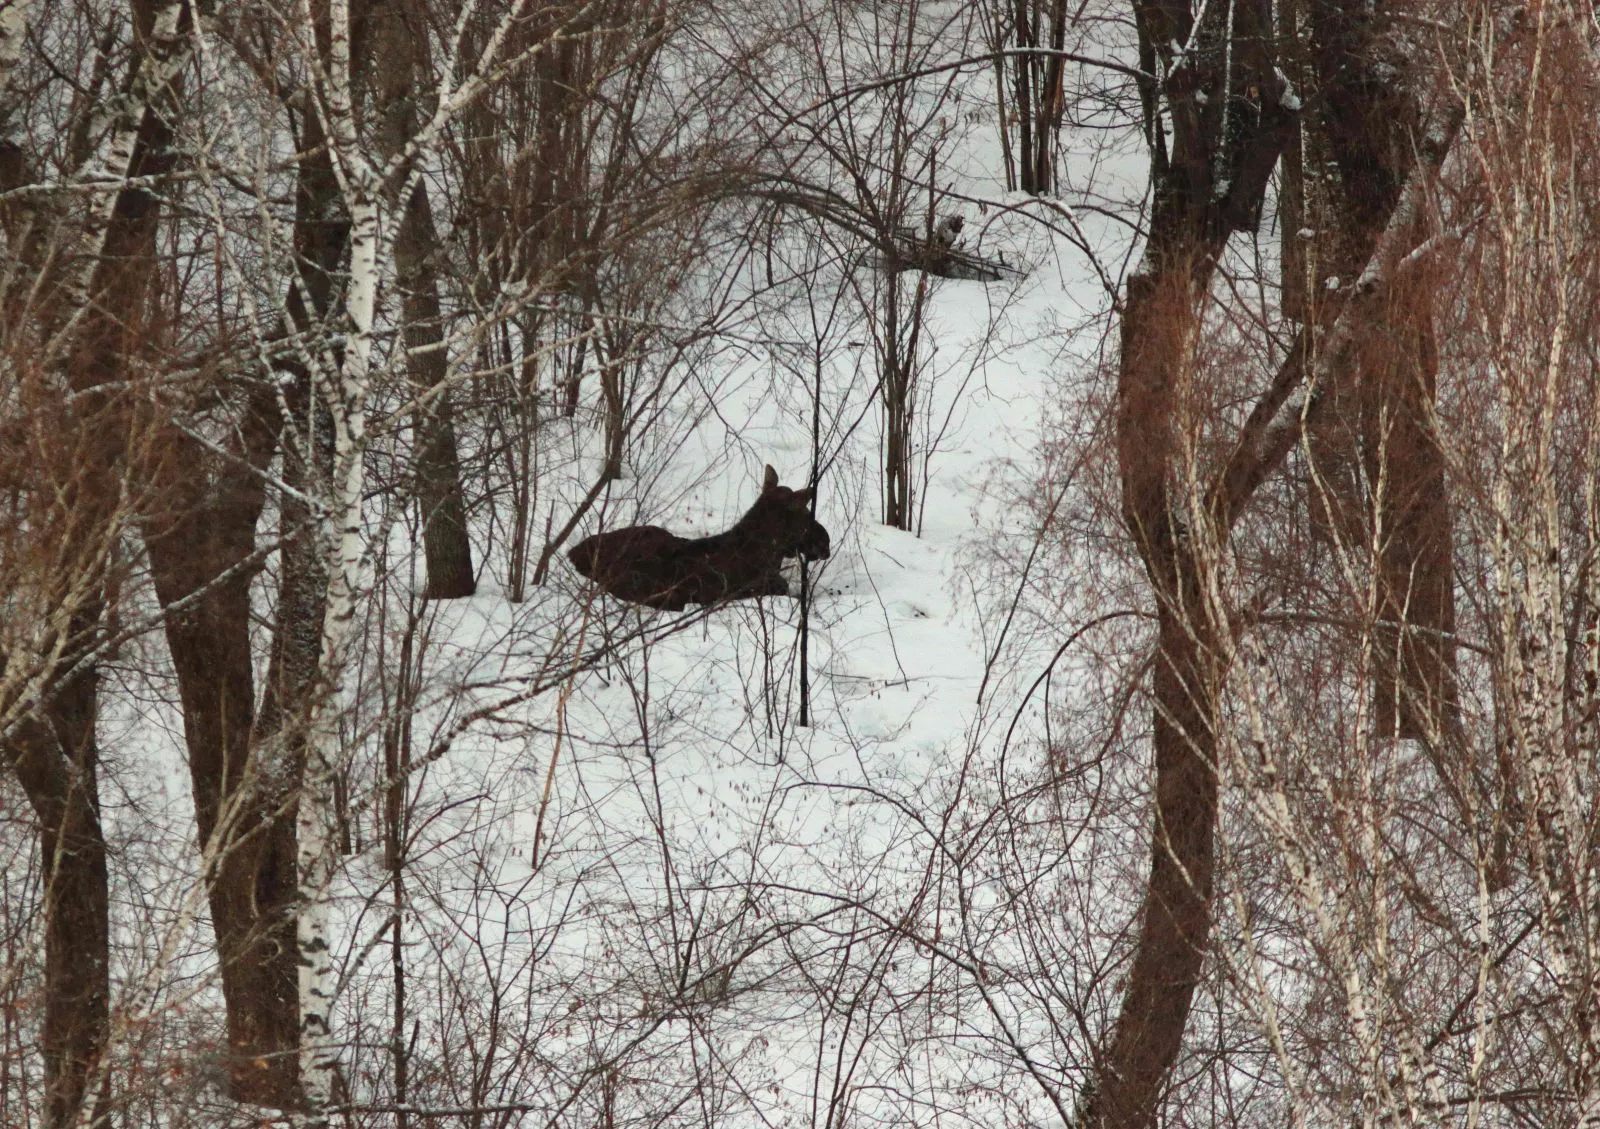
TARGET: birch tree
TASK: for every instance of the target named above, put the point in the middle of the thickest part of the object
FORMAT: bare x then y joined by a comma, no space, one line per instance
1385,119
1219,113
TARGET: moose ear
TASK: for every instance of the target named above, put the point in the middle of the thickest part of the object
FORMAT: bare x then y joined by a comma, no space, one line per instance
770,482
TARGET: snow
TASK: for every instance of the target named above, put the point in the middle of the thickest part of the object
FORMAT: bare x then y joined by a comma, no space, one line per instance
682,792
621,861
1289,99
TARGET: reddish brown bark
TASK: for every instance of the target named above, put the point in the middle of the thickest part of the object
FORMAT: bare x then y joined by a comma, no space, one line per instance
1226,127
1158,321
1194,211
54,758
81,448
71,469
1379,468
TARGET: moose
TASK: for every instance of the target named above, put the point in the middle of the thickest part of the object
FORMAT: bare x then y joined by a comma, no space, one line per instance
646,564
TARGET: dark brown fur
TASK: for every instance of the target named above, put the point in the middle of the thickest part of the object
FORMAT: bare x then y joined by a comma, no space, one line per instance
646,564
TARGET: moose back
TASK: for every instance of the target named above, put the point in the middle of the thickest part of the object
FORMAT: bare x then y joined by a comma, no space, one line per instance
646,564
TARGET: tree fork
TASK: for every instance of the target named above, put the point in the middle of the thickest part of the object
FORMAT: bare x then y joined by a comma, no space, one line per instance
1193,214
1229,117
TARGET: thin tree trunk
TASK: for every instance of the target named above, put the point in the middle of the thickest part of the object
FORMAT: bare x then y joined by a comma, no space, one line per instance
51,749
1026,36
322,237
1052,100
901,339
613,392
446,547
317,860
1039,90
396,836
522,457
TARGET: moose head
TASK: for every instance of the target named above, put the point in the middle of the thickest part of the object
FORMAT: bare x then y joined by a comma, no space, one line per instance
646,564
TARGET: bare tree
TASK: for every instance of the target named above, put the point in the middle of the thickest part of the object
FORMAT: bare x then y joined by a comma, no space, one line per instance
1219,113
399,40
1029,38
78,302
293,298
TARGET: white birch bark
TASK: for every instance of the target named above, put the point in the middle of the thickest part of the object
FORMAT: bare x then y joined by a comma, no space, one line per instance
1400,1082
1550,730
347,403
13,31
363,185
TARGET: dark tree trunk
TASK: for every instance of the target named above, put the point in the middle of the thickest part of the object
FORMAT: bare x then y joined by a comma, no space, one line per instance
1358,149
53,752
897,361
246,768
1226,126
1414,692
54,758
201,550
1023,68
446,546
613,390
1223,147
1158,322
447,550
1038,84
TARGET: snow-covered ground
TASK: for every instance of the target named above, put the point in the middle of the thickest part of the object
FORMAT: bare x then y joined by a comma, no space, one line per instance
640,889
654,866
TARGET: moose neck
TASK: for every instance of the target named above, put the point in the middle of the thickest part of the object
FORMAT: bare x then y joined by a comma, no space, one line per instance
762,528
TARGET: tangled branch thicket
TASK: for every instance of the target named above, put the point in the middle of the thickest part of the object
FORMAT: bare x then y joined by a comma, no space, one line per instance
330,794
